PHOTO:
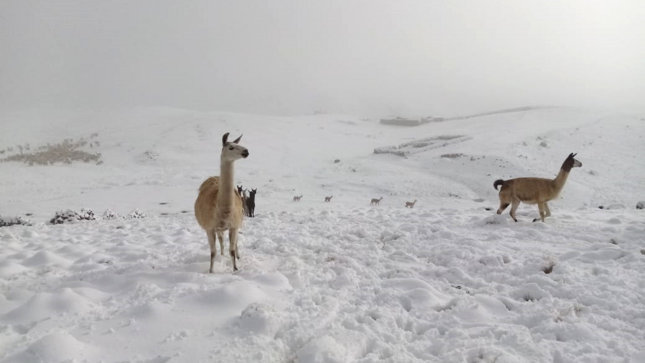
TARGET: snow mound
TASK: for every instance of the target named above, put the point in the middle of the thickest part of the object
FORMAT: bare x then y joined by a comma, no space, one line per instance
44,304
259,318
8,268
45,258
55,348
323,350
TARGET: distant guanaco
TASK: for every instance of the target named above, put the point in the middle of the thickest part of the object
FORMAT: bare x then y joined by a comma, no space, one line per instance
410,204
328,199
534,190
297,198
376,201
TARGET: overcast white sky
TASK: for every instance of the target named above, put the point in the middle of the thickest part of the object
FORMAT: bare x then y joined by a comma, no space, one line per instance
354,56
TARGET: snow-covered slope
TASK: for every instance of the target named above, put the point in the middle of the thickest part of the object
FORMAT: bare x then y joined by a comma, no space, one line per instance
154,156
447,281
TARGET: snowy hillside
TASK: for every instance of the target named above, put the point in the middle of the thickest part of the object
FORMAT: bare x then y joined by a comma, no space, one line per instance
154,156
447,281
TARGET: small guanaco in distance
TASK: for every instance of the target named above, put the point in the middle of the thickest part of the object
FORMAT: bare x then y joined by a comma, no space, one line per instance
297,198
534,190
242,193
376,201
410,204
250,203
328,199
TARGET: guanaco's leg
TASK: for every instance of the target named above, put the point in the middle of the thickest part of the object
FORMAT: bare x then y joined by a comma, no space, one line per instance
232,236
516,203
237,250
502,207
220,237
542,212
546,207
211,243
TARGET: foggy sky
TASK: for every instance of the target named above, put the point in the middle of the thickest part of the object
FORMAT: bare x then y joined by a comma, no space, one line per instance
291,57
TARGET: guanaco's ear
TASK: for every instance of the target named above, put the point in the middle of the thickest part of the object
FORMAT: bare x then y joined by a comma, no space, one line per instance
224,139
237,141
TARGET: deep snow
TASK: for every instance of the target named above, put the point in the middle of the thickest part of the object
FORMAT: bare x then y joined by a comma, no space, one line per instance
447,281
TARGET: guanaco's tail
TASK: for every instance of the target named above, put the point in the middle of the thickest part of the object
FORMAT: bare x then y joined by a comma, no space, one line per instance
497,183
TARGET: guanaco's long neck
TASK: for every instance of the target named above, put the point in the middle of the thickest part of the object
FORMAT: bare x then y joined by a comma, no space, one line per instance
561,179
225,193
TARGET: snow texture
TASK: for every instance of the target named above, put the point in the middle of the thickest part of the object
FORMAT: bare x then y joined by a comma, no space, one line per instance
448,281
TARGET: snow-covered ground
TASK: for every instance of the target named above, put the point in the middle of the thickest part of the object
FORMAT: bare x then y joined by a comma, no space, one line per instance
447,281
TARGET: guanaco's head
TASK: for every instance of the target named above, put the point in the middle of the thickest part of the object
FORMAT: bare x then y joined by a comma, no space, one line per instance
571,162
232,151
253,191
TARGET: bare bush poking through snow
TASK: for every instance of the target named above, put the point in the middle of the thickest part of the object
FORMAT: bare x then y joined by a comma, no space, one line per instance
14,221
61,217
452,155
70,216
137,214
549,263
86,214
421,145
65,152
109,214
